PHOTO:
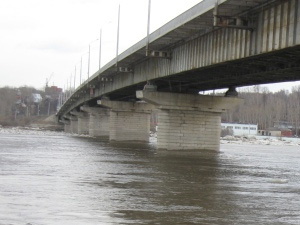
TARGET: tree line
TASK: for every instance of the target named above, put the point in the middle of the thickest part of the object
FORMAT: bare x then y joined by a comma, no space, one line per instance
266,108
260,106
18,108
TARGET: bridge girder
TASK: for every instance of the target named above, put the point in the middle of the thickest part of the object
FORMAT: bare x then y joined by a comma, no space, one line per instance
253,61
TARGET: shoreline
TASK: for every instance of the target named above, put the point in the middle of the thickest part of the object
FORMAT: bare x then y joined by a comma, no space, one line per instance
260,140
256,140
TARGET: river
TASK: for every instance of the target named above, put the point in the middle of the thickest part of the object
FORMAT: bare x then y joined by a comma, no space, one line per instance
61,179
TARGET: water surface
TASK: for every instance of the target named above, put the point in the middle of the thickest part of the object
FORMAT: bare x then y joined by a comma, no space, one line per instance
57,179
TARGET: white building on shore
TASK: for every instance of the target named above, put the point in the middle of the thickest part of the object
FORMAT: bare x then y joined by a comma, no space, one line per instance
240,129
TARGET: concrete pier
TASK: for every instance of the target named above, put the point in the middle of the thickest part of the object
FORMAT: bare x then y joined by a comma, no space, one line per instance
184,129
129,121
83,122
67,124
98,122
188,122
73,125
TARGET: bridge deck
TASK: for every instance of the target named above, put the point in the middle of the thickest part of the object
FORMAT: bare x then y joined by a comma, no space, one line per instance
190,24
205,57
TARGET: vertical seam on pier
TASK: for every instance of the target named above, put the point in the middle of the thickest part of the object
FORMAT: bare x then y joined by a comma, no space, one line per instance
274,27
268,29
295,22
288,24
262,33
281,23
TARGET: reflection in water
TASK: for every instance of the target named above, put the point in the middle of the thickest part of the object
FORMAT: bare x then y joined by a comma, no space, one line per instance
181,189
74,180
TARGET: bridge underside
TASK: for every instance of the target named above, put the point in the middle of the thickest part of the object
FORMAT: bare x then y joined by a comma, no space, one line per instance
274,67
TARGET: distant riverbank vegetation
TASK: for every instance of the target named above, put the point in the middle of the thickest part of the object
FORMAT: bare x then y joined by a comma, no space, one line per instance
20,107
261,107
266,108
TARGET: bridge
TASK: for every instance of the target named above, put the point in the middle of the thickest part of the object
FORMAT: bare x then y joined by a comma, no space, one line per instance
216,44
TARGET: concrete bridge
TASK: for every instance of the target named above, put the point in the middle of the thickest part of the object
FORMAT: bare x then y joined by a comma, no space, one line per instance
216,44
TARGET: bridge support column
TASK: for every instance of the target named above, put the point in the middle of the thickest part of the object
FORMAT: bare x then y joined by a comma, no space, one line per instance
83,122
67,125
188,122
67,128
99,121
128,121
73,125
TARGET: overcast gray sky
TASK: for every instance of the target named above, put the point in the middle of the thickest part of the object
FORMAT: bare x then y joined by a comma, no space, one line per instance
43,37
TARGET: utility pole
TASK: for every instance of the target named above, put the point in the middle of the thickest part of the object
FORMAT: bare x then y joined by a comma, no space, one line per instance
75,78
71,85
148,28
89,62
100,43
80,69
118,32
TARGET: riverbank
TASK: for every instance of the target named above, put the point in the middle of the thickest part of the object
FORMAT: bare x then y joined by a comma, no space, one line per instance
33,122
260,140
29,130
256,140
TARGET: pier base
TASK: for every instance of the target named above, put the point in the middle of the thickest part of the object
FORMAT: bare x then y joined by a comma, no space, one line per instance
99,121
128,121
188,122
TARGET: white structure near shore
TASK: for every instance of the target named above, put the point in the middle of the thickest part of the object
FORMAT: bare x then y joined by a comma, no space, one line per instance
240,129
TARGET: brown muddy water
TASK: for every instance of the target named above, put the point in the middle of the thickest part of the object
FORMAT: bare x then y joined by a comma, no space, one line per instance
60,180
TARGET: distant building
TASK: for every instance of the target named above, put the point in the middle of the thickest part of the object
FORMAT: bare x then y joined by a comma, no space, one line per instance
53,92
280,129
240,129
53,99
276,132
36,98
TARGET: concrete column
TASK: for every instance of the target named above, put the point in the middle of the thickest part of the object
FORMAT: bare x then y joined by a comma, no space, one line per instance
67,128
73,125
83,122
67,125
185,129
129,121
99,121
188,122
129,126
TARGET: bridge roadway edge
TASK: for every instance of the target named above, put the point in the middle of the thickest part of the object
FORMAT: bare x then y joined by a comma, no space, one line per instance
248,78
